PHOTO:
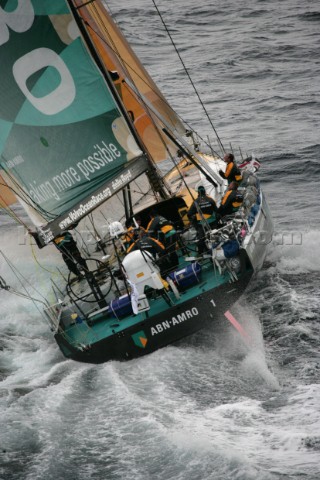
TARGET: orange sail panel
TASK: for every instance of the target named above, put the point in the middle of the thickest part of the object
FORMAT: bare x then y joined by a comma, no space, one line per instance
7,197
117,55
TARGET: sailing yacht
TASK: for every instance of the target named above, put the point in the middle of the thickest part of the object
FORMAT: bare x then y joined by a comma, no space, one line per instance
83,127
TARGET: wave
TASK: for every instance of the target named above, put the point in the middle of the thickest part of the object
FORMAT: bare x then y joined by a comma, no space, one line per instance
296,251
310,16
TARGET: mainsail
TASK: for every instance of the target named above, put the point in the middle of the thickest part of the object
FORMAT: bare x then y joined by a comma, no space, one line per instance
65,144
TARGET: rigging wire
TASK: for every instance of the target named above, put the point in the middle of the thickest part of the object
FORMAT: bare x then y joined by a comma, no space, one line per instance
23,281
188,75
39,264
7,288
125,64
10,212
157,129
24,196
130,67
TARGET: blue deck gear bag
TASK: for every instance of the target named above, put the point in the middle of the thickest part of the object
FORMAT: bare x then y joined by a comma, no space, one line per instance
188,276
120,307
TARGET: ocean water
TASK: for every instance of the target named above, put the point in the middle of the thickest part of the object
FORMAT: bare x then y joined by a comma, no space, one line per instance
210,407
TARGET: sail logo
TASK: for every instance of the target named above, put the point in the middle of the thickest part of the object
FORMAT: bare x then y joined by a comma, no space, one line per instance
69,178
103,155
167,324
140,339
14,162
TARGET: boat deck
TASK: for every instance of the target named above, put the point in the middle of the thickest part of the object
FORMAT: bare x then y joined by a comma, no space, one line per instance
90,324
102,324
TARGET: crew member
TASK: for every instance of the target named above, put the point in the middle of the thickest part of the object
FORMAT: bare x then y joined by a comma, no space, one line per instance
148,244
231,200
131,234
232,172
203,211
162,229
71,255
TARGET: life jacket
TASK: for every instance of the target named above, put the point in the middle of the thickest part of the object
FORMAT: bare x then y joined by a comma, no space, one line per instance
63,239
131,235
67,245
207,209
162,224
236,199
147,243
59,240
233,173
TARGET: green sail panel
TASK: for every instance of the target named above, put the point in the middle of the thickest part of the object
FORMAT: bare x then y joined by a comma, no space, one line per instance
62,134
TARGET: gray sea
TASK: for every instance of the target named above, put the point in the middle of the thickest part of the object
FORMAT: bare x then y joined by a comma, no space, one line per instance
209,407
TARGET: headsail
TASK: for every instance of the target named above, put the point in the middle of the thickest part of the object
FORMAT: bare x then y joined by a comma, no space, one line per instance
63,137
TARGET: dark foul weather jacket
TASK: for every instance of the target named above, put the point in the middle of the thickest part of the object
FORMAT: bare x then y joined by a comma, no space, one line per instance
207,207
230,202
232,173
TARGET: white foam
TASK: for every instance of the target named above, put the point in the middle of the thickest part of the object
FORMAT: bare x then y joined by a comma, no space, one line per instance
296,252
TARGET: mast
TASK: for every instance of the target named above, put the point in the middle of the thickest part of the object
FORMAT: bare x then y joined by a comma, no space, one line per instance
157,183
126,202
193,155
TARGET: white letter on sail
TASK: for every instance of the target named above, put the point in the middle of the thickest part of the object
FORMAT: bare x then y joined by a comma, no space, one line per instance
20,20
60,98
